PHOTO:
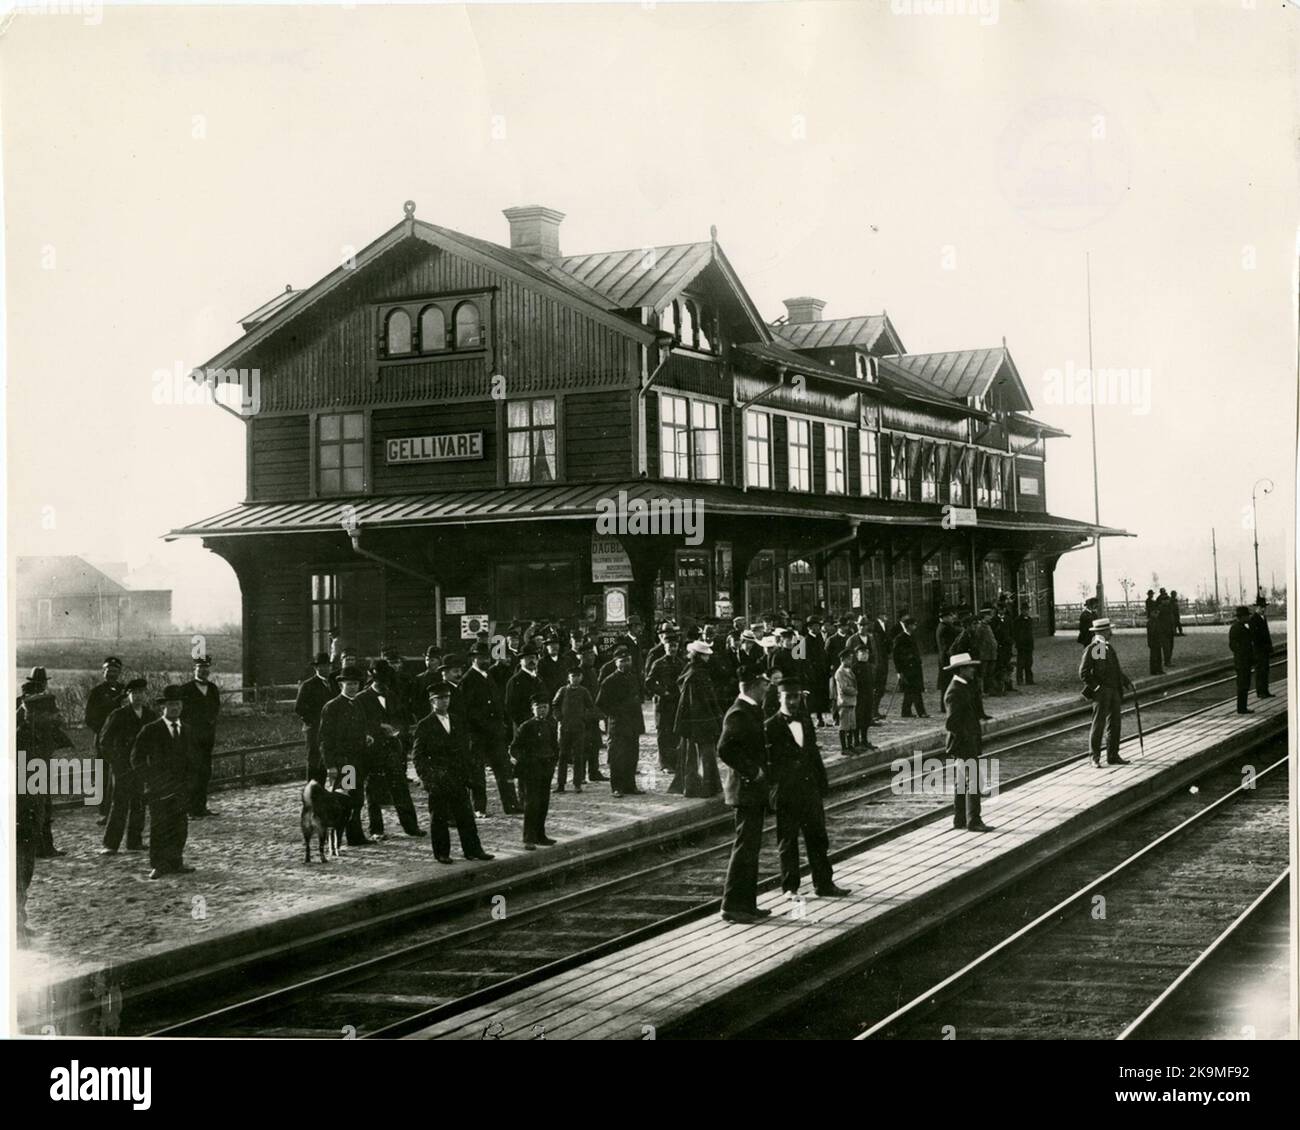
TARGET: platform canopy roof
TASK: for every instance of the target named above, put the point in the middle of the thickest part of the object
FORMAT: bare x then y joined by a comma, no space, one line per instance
589,501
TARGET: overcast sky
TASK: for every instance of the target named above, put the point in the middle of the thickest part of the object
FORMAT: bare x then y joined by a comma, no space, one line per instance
166,171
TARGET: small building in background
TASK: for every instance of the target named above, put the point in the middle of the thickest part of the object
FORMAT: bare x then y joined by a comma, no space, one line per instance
68,598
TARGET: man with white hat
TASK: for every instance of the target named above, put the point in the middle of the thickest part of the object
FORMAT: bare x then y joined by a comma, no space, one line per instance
1104,683
963,740
698,723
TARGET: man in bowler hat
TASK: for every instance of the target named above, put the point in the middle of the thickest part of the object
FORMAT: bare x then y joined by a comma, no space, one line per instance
163,755
313,694
742,749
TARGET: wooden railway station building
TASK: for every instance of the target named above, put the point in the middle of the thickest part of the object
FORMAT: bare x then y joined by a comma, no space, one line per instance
447,429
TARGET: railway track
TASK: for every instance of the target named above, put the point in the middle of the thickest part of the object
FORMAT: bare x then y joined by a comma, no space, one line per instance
1240,985
1099,962
386,988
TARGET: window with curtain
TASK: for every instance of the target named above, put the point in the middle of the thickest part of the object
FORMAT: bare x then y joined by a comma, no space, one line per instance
530,441
800,448
837,471
898,470
929,476
758,449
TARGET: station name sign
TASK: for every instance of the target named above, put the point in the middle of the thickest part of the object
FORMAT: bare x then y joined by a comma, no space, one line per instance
436,449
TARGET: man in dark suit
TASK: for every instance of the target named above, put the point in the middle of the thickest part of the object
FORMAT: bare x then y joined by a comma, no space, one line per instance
523,684
1243,655
945,635
1086,617
1022,635
911,675
1262,643
201,703
742,749
963,740
619,699
116,740
1155,637
313,693
536,751
431,674
485,714
878,632
162,755
103,699
798,783
345,741
440,751
661,681
1104,683
388,724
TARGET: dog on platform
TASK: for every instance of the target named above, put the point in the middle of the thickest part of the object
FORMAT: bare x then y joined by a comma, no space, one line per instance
325,815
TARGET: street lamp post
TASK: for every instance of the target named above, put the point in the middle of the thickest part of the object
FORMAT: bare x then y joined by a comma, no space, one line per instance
1254,521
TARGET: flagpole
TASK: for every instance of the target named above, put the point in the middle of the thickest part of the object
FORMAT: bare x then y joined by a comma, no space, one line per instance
1092,416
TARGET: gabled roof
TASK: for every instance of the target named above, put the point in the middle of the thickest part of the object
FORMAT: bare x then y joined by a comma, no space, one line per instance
863,332
647,276
62,576
248,321
963,373
526,269
653,276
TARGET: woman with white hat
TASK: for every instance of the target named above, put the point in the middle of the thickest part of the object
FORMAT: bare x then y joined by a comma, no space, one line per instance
698,724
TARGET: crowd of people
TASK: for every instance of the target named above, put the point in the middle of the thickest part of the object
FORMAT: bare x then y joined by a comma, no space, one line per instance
537,706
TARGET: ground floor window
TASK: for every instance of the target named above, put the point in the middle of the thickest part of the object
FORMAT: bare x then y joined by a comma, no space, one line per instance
839,585
873,585
347,603
803,588
995,580
1032,586
535,590
760,590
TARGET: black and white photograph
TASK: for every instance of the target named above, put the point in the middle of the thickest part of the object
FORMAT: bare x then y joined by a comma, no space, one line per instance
651,521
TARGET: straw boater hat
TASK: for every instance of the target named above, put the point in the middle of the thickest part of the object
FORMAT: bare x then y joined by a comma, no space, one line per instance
768,641
699,647
1101,623
961,659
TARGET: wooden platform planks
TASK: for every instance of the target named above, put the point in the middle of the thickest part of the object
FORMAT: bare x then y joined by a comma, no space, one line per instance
634,993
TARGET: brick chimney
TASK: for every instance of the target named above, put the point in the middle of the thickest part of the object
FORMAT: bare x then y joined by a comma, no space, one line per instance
535,230
803,309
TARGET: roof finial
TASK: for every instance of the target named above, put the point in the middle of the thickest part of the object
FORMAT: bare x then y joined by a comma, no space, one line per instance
713,233
409,209
288,288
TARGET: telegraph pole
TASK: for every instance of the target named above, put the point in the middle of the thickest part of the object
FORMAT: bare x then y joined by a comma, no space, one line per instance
1092,416
1214,552
1254,520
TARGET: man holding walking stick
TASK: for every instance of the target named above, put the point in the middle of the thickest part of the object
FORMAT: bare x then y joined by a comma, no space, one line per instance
1104,683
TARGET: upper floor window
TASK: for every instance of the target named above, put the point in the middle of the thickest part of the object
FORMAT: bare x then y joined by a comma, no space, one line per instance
674,438
758,449
341,453
869,457
433,329
469,326
706,442
530,441
800,447
837,472
898,471
866,371
397,333
694,326
929,476
439,325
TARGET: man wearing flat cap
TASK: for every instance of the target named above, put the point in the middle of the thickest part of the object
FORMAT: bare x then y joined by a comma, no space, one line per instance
103,699
619,699
345,742
163,756
440,751
200,705
313,693
1104,683
535,752
963,740
798,783
116,740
